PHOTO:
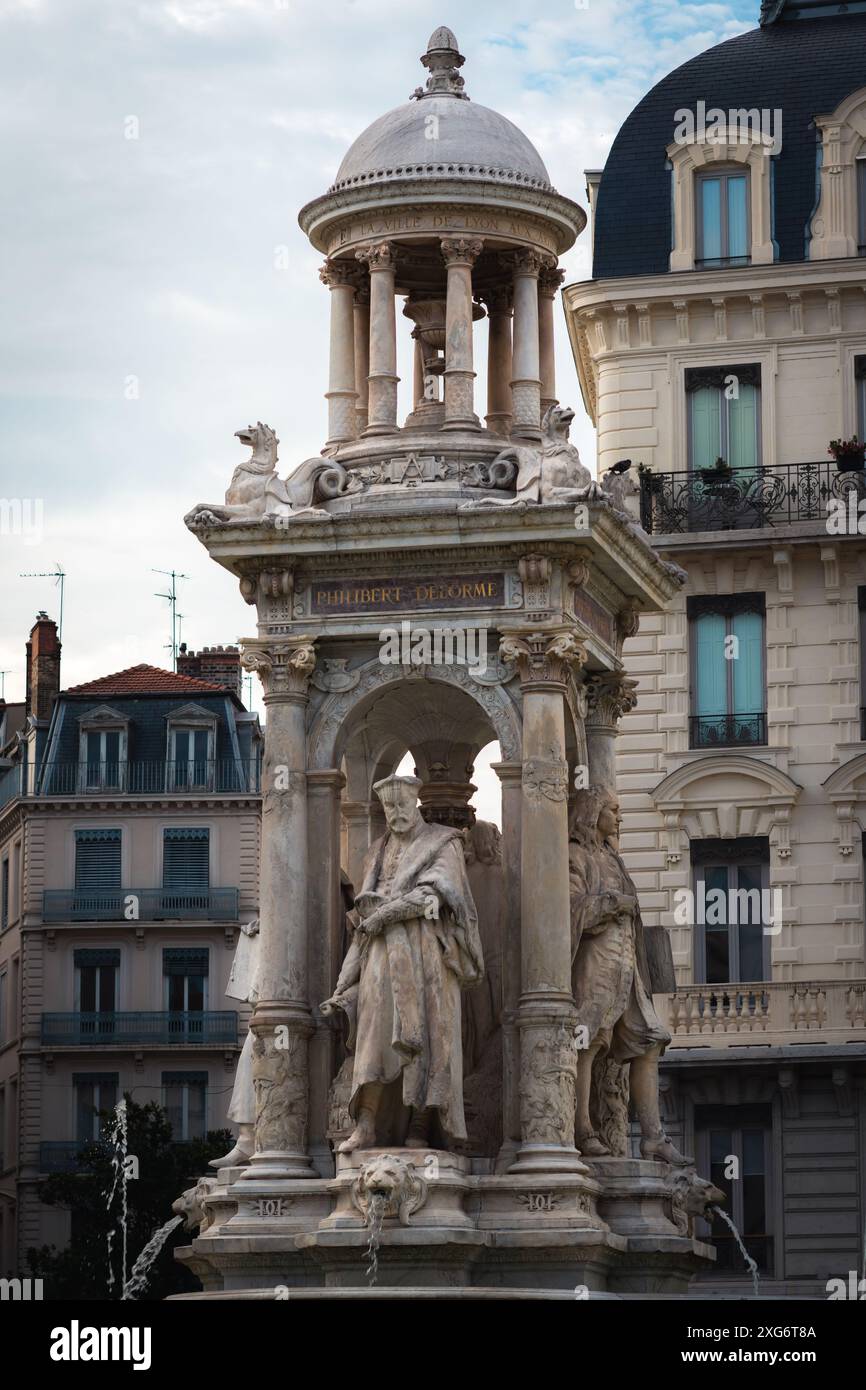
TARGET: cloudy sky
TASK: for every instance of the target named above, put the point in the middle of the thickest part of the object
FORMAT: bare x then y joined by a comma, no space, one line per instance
154,157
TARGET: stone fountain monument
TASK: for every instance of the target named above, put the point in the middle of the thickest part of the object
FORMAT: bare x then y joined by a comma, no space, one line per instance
447,1062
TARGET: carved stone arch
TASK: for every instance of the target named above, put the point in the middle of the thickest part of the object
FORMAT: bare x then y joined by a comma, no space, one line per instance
846,788
337,716
726,796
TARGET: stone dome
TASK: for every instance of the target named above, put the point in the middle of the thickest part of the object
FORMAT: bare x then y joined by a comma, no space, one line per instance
470,141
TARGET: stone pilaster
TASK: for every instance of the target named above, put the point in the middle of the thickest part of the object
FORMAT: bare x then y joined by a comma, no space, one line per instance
547,1017
549,281
499,303
460,254
282,1020
510,776
362,355
526,381
341,279
382,377
609,695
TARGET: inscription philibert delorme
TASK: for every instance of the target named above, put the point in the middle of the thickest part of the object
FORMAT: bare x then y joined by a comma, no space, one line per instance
378,595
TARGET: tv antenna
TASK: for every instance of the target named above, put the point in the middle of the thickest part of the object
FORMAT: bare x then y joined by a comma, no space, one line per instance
58,575
174,576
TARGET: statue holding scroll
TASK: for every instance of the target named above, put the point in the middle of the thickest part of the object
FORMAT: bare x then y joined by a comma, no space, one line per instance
414,946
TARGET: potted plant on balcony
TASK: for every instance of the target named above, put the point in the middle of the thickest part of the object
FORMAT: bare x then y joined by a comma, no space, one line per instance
715,478
848,453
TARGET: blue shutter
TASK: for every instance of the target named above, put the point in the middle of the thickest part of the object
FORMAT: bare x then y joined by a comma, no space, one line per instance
711,678
705,425
748,682
738,229
743,428
711,219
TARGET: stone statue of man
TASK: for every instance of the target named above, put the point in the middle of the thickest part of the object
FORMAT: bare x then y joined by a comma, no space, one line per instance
414,946
610,975
243,986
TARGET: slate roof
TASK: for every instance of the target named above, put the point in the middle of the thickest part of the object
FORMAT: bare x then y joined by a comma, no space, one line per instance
146,680
805,69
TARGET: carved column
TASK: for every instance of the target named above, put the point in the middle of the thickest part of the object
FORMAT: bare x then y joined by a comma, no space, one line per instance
510,777
382,377
546,1016
325,909
609,695
282,1020
549,281
341,278
362,355
499,308
460,254
418,371
526,381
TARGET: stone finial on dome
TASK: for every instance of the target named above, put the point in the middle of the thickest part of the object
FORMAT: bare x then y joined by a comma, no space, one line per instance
442,60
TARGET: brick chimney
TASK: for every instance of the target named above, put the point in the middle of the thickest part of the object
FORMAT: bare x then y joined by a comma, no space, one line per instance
43,667
220,665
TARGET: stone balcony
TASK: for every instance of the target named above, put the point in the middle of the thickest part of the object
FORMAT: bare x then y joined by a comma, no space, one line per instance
776,1014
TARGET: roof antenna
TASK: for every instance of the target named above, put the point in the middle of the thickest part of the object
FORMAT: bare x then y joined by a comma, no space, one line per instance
174,576
58,575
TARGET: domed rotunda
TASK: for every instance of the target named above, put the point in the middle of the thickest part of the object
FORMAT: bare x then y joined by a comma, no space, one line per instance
447,205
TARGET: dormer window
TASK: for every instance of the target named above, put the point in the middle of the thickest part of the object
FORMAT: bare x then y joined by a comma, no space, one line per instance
722,208
191,746
103,750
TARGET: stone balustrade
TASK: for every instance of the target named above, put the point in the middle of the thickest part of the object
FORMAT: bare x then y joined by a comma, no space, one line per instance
765,1014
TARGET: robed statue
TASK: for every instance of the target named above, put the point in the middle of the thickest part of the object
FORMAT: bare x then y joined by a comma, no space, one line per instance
613,975
414,945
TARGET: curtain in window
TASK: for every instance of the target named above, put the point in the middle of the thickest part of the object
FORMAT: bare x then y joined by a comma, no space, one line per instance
711,673
738,232
711,219
747,669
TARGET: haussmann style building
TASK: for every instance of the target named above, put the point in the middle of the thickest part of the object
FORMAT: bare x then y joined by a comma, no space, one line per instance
129,846
721,344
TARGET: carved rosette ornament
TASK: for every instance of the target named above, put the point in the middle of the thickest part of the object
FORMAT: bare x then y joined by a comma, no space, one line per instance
609,695
543,661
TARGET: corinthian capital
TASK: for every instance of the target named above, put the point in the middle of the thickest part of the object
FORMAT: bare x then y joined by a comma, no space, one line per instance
527,262
543,659
333,273
550,278
284,668
461,250
609,695
382,256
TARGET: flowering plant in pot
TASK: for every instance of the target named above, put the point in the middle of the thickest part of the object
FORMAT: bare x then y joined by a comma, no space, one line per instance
848,453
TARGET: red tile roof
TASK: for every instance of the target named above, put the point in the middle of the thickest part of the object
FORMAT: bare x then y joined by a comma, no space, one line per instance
145,680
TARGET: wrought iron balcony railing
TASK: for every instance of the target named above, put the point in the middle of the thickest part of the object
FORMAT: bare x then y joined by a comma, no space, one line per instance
746,498
140,905
199,777
727,730
140,1029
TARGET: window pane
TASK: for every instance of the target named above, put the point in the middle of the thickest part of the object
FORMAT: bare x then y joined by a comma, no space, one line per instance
711,219
107,983
181,745
705,423
87,988
716,929
85,1118
748,668
861,202
738,232
751,930
195,993
711,675
743,427
196,1102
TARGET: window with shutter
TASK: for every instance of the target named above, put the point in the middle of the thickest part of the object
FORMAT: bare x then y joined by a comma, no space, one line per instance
98,890
727,645
185,870
185,971
94,1092
185,1102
